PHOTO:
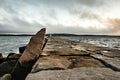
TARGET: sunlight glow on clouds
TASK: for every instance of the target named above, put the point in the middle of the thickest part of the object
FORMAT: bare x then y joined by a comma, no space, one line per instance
60,16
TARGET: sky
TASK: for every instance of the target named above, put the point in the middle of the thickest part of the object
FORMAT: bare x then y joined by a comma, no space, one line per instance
92,17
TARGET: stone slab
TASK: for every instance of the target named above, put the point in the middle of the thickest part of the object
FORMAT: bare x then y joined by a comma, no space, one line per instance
113,63
51,62
83,73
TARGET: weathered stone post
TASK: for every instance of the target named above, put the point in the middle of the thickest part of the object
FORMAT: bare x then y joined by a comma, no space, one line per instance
29,56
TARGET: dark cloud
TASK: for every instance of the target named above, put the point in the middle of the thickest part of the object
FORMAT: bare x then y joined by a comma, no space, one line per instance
91,2
85,14
10,6
5,28
21,22
88,15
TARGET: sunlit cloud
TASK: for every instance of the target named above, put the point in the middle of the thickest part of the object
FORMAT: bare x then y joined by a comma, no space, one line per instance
60,16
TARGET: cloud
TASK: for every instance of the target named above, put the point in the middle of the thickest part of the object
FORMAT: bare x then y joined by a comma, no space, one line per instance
76,30
65,16
113,24
91,2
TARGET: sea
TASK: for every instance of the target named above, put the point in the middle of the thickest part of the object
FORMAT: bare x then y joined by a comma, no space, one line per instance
11,44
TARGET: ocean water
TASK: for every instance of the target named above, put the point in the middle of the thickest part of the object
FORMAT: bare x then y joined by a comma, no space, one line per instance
9,44
107,41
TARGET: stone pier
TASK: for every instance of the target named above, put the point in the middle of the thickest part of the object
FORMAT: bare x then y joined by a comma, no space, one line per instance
72,60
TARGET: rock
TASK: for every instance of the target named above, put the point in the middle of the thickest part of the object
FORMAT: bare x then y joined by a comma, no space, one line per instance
85,58
2,60
10,57
112,63
13,55
83,73
55,47
6,77
34,48
51,63
29,56
7,67
112,54
50,75
1,56
83,61
21,49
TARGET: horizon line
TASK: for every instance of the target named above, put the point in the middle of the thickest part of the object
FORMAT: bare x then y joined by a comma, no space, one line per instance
56,34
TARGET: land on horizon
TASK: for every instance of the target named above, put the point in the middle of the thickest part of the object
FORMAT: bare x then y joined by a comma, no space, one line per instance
61,34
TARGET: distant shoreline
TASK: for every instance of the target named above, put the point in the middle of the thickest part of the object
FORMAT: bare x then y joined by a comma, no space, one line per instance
68,35
13,35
